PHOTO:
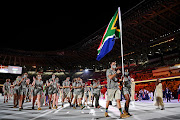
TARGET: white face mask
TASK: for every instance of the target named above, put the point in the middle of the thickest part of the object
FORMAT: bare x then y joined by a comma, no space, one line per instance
53,77
25,76
39,78
113,66
126,73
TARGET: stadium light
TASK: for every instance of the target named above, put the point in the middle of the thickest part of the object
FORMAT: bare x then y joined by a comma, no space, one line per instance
86,70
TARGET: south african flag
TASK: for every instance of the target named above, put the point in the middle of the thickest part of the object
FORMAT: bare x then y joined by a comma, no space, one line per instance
111,33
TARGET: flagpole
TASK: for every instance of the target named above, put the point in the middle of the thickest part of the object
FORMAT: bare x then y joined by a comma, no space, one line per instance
120,25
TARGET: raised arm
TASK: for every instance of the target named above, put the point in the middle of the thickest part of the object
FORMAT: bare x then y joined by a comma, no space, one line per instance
114,75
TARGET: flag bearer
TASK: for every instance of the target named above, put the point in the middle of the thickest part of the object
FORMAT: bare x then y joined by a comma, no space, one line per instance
113,90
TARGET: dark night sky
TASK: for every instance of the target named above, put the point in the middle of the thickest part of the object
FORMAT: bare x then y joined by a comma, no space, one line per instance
55,26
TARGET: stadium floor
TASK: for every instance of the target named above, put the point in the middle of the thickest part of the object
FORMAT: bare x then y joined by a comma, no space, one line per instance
142,111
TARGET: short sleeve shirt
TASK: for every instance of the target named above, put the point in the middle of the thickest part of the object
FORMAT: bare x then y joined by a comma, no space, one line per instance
77,84
51,85
23,83
127,81
6,86
66,83
96,90
38,84
74,85
111,83
54,84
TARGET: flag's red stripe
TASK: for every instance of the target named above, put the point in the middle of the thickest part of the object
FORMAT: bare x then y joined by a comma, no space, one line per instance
103,38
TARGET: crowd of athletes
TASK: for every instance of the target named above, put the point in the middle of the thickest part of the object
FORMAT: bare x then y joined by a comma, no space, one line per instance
47,93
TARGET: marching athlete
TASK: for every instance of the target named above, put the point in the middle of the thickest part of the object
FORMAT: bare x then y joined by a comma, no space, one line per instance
96,92
38,89
50,89
92,96
127,91
77,85
66,91
113,90
22,90
6,89
55,92
86,94
16,90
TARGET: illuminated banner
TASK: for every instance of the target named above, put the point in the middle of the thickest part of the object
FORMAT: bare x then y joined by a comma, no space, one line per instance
3,69
10,69
14,69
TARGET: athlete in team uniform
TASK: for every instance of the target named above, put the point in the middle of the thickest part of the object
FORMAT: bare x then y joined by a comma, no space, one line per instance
96,92
16,90
55,85
86,94
38,89
22,90
66,91
92,96
113,90
127,91
50,89
77,85
6,89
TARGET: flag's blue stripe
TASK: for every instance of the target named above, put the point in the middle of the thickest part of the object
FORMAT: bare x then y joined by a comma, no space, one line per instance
107,47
